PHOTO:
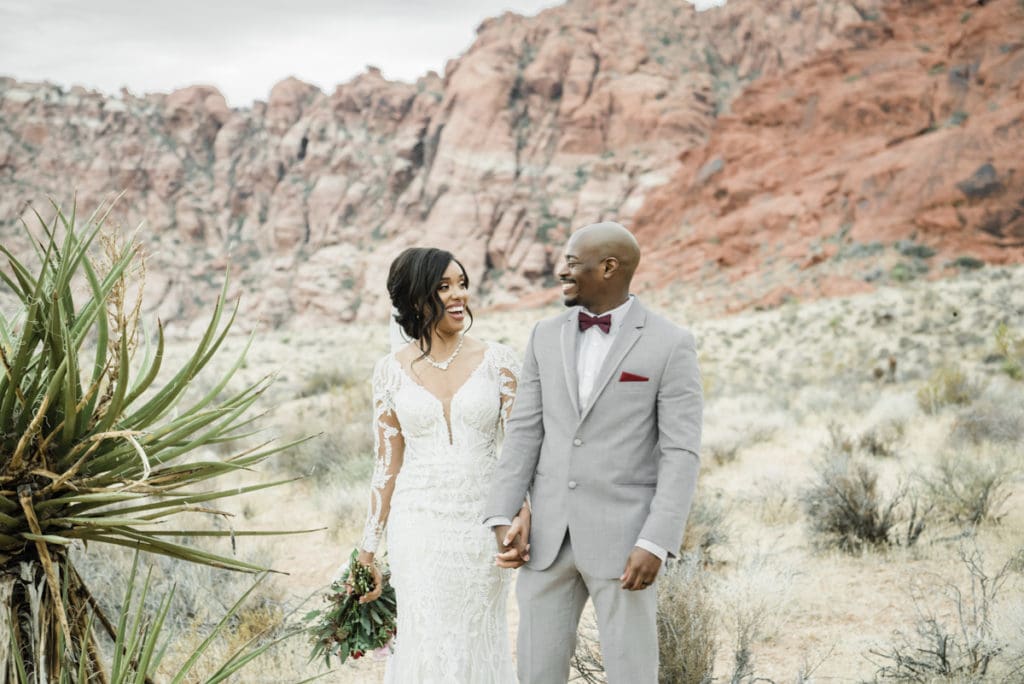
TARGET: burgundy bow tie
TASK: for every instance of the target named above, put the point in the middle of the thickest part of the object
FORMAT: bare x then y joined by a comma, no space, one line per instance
602,322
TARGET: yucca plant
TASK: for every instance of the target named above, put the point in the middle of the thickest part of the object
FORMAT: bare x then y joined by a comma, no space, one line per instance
94,450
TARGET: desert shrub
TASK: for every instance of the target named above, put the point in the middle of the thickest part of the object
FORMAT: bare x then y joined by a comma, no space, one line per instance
846,508
906,271
776,505
882,440
707,527
968,263
733,423
840,442
752,605
324,380
962,642
970,490
721,452
1011,348
1001,422
686,625
948,386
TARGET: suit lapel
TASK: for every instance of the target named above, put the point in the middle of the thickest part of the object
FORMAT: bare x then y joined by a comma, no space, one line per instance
570,326
629,333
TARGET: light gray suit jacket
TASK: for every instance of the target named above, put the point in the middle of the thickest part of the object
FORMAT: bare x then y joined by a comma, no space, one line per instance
622,469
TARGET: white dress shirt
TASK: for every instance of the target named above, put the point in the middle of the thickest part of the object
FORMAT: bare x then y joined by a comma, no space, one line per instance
591,350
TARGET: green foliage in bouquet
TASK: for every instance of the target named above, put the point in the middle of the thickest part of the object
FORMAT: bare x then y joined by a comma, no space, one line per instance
349,629
92,448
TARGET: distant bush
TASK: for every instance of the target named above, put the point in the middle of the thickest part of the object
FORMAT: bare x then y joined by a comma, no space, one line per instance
1000,422
969,263
912,249
734,423
1011,348
721,452
902,272
325,380
962,642
966,490
776,505
949,385
880,440
847,510
883,440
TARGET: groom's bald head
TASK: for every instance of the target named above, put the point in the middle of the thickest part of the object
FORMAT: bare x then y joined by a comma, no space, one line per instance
611,240
600,260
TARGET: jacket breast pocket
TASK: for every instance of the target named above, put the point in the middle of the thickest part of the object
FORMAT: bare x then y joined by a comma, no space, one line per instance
635,387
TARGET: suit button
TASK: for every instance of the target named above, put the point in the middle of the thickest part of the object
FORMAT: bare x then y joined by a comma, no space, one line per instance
572,484
577,441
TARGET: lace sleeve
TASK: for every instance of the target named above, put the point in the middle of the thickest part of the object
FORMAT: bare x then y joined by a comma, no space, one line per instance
507,363
389,447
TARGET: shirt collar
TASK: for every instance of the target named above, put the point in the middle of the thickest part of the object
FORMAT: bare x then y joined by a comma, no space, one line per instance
618,314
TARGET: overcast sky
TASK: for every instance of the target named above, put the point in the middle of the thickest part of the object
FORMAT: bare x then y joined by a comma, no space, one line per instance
242,48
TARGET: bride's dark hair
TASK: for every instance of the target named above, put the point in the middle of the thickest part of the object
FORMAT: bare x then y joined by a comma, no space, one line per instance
413,281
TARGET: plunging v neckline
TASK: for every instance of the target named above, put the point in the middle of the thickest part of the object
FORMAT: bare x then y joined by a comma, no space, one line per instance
446,409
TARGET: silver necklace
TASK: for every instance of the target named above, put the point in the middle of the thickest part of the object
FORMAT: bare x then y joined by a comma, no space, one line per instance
443,365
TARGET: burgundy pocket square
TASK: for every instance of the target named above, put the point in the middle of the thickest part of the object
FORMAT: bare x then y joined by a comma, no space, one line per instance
629,377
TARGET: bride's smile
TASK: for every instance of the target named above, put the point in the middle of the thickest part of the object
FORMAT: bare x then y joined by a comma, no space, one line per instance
454,295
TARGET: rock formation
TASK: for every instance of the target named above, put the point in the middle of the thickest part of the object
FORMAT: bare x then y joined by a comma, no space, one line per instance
745,141
893,154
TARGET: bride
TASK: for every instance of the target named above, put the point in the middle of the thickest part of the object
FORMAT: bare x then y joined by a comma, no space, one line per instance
439,404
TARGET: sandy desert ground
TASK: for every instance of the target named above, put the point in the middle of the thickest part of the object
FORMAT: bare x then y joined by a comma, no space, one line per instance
785,388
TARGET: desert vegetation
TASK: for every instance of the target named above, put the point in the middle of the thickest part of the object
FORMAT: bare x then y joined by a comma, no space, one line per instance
862,458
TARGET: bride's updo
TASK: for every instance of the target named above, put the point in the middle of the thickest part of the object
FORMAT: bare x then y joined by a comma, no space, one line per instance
413,281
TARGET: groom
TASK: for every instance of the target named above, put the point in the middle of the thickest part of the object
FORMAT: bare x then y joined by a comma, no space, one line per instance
605,435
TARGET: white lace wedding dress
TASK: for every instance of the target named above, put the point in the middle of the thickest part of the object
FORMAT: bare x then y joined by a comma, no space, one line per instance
452,625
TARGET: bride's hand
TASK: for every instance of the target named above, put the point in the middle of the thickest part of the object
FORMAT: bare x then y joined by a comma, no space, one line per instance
378,579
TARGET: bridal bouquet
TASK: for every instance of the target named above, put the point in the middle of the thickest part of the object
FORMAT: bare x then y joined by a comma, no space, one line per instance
349,629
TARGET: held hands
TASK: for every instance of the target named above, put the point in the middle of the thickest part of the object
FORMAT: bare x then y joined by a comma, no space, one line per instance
365,558
641,570
513,541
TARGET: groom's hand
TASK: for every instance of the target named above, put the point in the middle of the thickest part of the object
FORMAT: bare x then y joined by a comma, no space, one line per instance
641,570
511,550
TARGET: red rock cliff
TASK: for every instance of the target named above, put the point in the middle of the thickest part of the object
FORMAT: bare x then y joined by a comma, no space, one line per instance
742,140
